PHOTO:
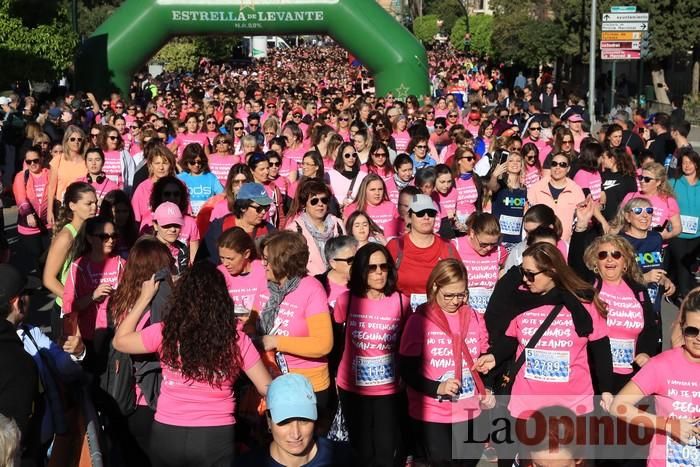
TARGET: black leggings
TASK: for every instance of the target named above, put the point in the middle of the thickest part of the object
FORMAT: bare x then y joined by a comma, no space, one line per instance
184,446
34,247
445,444
374,428
683,252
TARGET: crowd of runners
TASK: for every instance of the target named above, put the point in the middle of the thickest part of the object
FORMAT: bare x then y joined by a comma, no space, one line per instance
271,265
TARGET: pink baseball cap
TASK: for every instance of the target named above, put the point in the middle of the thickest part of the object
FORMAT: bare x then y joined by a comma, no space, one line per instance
575,118
168,214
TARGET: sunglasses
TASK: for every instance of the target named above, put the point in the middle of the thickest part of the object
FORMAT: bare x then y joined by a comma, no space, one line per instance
350,154
529,275
196,162
421,146
638,211
567,141
467,158
535,128
105,236
221,142
383,267
644,179
260,209
73,139
343,119
238,128
32,161
94,135
275,164
439,127
604,254
455,116
212,122
691,331
379,154
323,200
563,165
271,106
347,260
296,115
432,213
113,138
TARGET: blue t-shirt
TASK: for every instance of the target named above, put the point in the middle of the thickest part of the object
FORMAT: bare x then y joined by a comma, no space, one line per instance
201,188
508,205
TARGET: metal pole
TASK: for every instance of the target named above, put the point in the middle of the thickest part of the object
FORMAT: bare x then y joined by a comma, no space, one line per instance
591,63
612,86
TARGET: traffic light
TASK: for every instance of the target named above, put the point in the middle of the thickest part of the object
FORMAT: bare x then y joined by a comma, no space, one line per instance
645,47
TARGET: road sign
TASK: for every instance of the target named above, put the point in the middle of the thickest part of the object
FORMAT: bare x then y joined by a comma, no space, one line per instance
640,17
617,26
623,9
620,36
619,54
631,45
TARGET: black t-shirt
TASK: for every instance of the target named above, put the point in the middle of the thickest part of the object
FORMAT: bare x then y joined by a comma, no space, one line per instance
329,454
633,141
615,186
508,205
662,146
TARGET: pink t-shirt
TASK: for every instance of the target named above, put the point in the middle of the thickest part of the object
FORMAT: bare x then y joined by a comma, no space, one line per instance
368,366
392,191
183,139
219,210
625,322
589,180
482,271
421,337
467,195
447,204
532,176
674,381
307,300
113,167
295,156
83,278
220,166
402,138
556,366
385,215
288,166
101,189
336,290
245,287
185,402
141,199
664,208
40,183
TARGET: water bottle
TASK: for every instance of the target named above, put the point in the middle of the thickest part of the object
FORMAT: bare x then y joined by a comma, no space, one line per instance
668,161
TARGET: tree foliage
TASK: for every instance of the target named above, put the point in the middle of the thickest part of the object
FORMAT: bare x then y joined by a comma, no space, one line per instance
37,52
447,10
425,28
481,28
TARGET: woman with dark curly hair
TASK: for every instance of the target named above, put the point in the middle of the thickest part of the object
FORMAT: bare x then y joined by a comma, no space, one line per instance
202,354
294,321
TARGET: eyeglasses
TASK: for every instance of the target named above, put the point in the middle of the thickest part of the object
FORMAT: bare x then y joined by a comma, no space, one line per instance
639,210
275,164
349,155
535,128
383,267
196,162
432,213
259,209
347,260
113,137
320,199
32,161
691,331
563,164
604,254
105,236
73,139
644,179
451,297
529,275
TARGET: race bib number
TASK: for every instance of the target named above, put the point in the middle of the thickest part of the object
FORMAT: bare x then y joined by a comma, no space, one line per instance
417,299
690,224
468,385
479,298
550,366
510,225
374,371
622,352
682,455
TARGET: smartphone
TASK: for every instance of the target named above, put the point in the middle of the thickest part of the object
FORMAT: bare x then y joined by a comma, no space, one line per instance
661,228
504,157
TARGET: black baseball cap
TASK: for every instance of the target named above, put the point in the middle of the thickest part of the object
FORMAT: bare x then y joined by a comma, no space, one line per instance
13,283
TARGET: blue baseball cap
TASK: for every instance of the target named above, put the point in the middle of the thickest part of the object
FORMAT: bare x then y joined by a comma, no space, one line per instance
291,396
254,192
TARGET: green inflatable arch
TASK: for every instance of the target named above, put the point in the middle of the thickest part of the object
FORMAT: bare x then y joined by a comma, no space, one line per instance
139,28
